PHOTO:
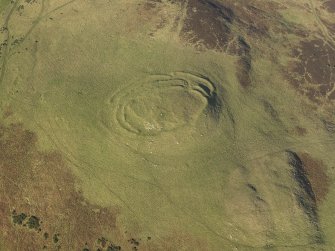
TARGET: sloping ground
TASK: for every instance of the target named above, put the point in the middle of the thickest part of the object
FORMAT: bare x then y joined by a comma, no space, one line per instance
167,125
40,206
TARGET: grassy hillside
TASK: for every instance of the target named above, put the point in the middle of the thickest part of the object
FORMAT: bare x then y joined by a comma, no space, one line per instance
132,124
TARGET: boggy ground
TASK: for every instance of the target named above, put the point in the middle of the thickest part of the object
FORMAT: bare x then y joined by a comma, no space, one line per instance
167,125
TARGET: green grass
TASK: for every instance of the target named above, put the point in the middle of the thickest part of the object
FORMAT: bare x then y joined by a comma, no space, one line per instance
3,5
195,186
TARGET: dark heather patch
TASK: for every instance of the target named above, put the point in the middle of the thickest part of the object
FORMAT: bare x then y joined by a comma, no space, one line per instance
41,183
311,188
209,20
314,73
305,195
243,71
330,6
31,182
226,26
316,172
258,20
269,109
254,22
207,24
300,175
329,25
243,48
239,47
